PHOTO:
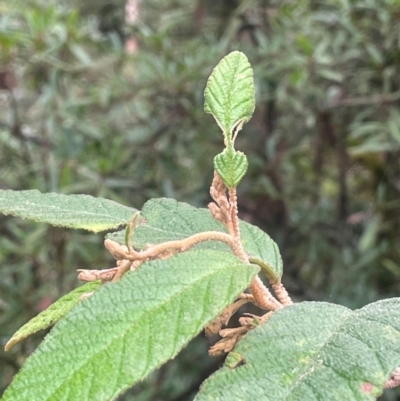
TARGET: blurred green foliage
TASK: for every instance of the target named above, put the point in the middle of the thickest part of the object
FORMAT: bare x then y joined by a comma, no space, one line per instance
93,104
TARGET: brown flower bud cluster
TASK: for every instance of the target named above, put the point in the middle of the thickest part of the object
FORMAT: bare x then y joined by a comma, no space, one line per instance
230,337
220,208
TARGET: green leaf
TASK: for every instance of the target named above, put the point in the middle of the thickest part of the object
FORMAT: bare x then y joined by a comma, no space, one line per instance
73,211
127,329
229,94
231,165
165,219
314,351
52,314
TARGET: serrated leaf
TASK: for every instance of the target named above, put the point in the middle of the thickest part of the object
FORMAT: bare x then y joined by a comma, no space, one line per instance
165,219
229,94
127,329
314,351
73,211
52,314
231,165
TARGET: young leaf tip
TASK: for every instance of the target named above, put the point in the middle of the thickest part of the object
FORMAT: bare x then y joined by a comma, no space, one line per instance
231,165
230,94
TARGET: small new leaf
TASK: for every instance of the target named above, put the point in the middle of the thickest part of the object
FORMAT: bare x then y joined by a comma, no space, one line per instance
72,211
231,165
229,94
52,314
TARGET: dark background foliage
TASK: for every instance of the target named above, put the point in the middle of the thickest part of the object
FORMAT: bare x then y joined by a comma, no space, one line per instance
92,102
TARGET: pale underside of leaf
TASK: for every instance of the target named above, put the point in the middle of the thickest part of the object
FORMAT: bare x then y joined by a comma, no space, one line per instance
229,94
72,211
165,219
52,314
314,351
127,329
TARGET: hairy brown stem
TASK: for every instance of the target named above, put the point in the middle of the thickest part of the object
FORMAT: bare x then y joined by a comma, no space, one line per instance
122,269
170,248
234,213
94,275
282,294
262,296
235,225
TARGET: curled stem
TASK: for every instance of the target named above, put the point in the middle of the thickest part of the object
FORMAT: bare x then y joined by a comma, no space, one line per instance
275,280
226,211
282,294
272,276
262,296
170,248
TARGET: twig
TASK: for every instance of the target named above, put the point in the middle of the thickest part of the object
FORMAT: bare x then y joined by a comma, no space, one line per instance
262,296
94,275
282,294
122,269
170,248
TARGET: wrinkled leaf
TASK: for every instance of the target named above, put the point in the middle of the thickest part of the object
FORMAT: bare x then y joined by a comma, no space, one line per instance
165,219
73,211
229,94
128,328
313,351
231,166
52,314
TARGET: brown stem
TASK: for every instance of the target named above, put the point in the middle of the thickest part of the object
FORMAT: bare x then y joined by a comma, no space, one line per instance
221,209
122,269
282,294
94,275
234,213
235,230
170,248
262,296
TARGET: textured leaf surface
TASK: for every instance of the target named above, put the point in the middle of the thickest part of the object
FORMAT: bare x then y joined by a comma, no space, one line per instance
314,351
231,165
73,211
126,329
229,94
167,220
52,314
